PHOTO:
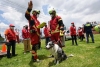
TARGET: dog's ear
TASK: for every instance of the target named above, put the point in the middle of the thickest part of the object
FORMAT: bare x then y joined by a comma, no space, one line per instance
52,43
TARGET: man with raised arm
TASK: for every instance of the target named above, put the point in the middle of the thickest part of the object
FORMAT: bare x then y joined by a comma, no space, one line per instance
33,28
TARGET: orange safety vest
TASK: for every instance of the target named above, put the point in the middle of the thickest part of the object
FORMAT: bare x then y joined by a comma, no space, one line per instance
11,35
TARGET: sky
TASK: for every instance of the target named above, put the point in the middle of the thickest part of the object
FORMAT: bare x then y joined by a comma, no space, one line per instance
77,11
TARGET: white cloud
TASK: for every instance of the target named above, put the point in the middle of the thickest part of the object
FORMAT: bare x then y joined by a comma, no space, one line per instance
3,25
15,17
92,17
78,11
11,14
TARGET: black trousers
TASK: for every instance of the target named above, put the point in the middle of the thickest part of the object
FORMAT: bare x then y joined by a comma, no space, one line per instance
87,37
9,45
34,48
47,39
39,45
81,37
74,39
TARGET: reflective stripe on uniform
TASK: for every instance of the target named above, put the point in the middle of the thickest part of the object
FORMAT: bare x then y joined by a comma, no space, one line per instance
36,30
27,12
87,25
35,27
34,53
61,33
56,31
59,19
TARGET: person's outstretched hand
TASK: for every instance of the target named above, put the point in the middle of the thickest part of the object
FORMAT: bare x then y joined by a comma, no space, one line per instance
30,4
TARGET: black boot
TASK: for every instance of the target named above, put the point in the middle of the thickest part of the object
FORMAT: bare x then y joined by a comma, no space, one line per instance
32,59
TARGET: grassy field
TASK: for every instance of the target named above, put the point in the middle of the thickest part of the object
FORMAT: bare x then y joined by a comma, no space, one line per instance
85,55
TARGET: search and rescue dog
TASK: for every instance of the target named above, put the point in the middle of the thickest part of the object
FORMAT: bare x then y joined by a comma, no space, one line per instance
57,52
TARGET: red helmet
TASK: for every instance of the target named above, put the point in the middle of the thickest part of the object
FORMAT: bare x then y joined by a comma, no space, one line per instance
11,25
72,23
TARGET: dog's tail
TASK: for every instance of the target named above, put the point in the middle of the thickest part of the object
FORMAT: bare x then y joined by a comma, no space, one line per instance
71,55
64,56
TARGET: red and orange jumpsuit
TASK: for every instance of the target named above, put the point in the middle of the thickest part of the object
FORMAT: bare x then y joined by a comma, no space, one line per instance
34,32
55,24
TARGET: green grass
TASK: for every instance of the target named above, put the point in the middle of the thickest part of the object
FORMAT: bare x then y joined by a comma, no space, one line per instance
85,55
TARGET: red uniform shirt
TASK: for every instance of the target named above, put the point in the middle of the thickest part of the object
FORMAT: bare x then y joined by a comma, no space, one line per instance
25,33
80,32
37,23
34,37
46,32
54,23
72,30
54,26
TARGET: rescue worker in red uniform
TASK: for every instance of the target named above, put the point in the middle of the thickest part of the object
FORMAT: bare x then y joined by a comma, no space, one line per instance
55,24
47,34
26,39
34,30
80,34
62,35
10,37
17,34
73,33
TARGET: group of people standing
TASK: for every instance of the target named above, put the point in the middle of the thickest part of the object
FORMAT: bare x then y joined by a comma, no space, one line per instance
54,31
83,32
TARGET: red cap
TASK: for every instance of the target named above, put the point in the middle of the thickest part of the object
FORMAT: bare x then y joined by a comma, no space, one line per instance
72,23
11,25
